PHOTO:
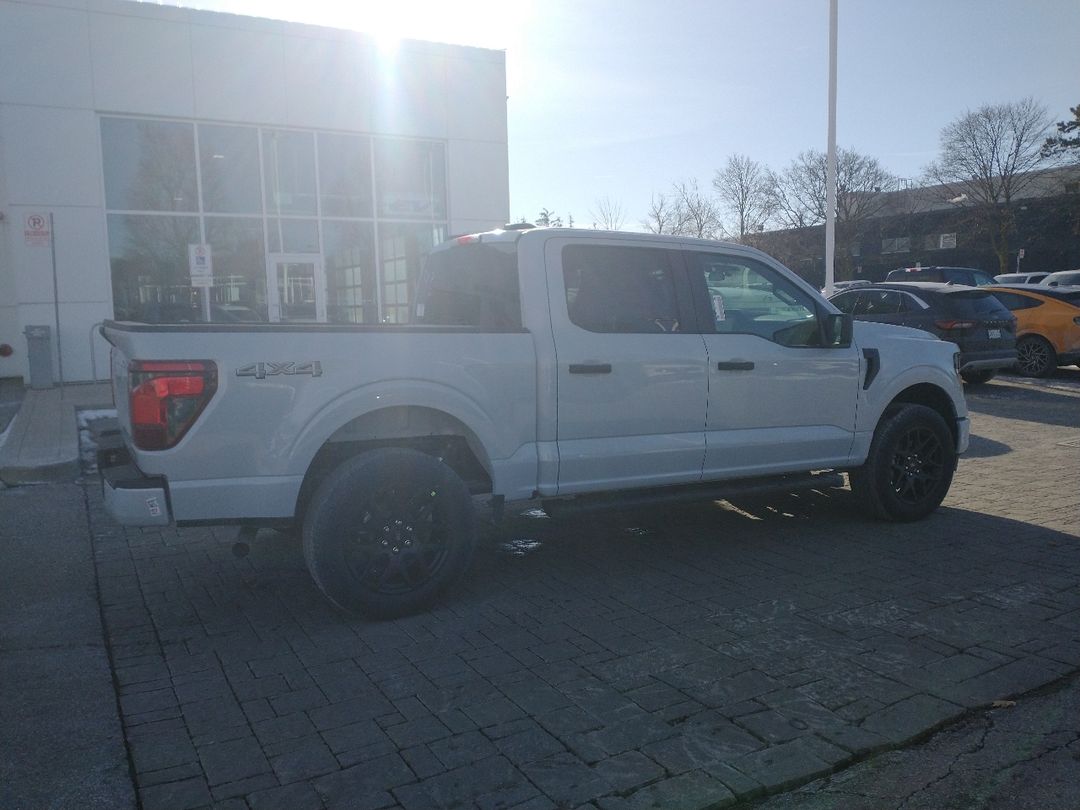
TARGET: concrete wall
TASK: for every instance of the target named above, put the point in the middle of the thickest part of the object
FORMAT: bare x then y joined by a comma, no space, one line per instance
63,64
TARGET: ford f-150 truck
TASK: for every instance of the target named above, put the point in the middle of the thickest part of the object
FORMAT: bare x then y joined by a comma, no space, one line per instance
565,366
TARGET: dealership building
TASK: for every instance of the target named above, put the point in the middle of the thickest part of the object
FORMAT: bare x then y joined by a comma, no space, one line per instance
170,165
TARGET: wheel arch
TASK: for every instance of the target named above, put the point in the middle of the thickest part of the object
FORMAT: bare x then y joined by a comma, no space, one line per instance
933,397
441,423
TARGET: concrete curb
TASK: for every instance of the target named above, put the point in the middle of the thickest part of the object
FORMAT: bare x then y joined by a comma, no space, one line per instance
42,442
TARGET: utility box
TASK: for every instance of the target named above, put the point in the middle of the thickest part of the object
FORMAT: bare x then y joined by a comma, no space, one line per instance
39,355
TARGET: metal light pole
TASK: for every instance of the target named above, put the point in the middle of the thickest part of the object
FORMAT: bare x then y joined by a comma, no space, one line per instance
830,170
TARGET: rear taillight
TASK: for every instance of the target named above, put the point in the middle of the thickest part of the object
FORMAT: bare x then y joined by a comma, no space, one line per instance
166,398
954,324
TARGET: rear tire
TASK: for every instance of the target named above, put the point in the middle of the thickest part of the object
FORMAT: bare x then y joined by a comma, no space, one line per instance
978,377
1035,357
910,466
388,531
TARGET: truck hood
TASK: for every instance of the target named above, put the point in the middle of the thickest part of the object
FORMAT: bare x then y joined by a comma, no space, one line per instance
868,332
906,345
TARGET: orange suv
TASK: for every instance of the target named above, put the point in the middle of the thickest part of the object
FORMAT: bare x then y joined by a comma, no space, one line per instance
1047,326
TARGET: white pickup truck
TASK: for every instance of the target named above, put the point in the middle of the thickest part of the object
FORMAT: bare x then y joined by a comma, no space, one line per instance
572,367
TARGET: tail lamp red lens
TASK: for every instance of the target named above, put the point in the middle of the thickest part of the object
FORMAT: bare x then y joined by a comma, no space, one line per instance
954,324
166,398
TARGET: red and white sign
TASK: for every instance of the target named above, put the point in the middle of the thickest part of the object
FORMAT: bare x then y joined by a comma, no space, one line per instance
37,231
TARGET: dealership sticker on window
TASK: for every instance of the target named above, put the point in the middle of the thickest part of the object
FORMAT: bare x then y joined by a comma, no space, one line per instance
718,307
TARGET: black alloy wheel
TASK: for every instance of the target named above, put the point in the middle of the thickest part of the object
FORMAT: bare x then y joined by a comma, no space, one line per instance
388,531
918,464
910,466
1035,357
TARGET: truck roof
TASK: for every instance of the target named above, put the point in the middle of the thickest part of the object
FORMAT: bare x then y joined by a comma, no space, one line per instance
516,231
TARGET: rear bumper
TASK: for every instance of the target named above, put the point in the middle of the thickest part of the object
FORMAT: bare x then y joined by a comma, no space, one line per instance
1069,358
131,497
980,361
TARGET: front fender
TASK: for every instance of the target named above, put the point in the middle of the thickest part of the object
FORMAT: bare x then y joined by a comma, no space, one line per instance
911,361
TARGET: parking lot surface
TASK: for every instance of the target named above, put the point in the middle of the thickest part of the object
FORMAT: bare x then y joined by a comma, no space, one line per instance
686,657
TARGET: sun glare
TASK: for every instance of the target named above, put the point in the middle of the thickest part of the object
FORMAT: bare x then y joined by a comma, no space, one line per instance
479,23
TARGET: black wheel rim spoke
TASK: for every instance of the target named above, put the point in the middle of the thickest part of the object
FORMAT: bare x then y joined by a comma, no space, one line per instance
1032,357
398,542
917,465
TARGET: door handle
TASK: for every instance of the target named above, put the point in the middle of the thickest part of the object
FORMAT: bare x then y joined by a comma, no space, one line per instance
590,368
735,365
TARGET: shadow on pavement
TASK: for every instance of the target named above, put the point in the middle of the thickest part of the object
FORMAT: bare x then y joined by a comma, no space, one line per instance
1048,407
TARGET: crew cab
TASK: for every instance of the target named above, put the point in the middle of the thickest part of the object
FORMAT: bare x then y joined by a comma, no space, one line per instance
569,367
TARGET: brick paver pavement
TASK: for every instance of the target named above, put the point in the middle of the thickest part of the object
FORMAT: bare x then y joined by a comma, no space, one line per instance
688,658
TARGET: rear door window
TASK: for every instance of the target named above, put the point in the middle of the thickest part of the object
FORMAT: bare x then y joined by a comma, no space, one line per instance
1015,302
621,289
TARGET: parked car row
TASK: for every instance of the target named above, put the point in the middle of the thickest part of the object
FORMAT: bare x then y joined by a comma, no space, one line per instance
1032,328
979,278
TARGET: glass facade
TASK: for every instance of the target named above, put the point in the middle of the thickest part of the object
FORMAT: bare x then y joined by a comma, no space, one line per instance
346,218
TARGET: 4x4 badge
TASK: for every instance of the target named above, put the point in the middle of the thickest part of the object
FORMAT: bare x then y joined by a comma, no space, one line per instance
260,371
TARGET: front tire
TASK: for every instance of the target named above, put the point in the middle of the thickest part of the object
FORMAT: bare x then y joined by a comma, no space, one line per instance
910,466
1035,357
388,531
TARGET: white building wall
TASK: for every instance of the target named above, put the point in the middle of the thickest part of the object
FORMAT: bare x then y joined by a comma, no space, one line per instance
63,64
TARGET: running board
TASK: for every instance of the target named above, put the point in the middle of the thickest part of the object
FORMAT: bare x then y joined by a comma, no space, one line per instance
719,491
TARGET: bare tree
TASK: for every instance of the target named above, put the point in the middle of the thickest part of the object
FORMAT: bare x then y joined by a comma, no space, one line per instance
608,215
685,211
988,157
700,214
798,196
744,189
663,216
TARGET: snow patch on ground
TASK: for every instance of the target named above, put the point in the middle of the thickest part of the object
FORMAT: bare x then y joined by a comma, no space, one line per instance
88,446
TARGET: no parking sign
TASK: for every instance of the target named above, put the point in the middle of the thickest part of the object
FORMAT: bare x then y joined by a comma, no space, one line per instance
36,230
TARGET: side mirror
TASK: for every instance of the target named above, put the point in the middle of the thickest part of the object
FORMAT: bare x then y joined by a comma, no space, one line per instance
837,330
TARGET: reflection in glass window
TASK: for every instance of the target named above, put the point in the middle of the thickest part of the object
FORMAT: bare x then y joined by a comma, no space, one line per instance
239,291
149,261
748,297
350,272
229,161
149,165
289,168
410,179
345,175
293,235
401,251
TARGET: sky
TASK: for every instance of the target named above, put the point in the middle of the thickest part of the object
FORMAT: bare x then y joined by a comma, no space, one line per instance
619,99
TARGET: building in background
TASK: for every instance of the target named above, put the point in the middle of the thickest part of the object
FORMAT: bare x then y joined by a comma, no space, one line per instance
920,225
172,165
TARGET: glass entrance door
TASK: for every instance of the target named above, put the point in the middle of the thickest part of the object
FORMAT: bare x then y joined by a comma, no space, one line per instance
296,287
